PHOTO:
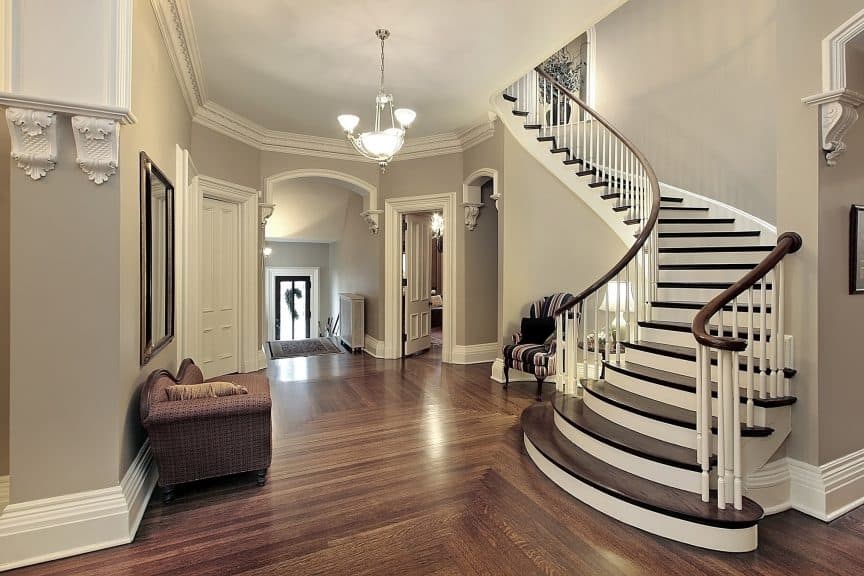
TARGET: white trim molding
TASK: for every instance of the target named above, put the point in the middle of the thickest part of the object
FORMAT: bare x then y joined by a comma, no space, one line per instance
34,140
373,346
98,145
828,491
837,104
475,353
51,528
179,36
4,492
394,209
270,274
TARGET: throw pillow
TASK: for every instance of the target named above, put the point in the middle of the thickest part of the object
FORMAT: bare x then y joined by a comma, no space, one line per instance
537,330
204,390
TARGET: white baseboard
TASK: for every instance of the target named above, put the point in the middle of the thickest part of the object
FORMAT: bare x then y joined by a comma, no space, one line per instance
373,346
51,528
828,491
515,375
4,491
262,359
475,353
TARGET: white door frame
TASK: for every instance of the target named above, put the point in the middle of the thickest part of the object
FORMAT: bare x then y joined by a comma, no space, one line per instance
394,208
270,274
187,203
188,223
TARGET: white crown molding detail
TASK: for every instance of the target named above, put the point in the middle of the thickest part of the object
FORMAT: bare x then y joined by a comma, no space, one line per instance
97,145
34,140
372,218
837,104
265,211
178,33
472,212
51,528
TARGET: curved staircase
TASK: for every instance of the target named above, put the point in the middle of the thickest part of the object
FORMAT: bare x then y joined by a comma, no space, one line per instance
659,429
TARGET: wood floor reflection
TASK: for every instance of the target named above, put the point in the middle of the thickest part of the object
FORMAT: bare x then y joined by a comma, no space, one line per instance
413,467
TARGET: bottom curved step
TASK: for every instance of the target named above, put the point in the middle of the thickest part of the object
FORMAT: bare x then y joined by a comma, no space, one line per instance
655,508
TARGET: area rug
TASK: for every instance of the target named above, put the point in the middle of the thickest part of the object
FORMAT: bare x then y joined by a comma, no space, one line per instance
307,347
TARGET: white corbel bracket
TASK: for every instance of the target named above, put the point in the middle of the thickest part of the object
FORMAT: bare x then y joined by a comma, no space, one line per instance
34,140
97,146
838,112
372,217
472,212
265,211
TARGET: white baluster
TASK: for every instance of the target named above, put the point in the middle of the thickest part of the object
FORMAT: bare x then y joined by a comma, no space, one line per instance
706,424
751,343
699,414
763,336
780,312
596,336
735,423
775,339
562,353
721,437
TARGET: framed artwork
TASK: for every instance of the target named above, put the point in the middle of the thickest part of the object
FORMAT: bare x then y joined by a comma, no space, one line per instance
856,249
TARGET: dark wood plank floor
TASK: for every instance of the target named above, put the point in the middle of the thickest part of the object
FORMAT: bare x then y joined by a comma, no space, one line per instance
391,467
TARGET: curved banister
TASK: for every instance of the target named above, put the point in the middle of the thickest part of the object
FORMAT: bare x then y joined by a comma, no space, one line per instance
650,221
787,243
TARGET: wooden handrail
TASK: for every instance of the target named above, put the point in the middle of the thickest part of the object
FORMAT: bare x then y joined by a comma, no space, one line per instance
650,221
787,243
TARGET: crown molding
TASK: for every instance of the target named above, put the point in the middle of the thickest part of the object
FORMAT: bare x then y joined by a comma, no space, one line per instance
177,27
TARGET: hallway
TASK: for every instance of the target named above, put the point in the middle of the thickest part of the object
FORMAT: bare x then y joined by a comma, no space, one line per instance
417,467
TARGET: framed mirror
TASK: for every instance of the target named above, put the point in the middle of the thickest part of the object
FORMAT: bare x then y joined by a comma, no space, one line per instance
157,259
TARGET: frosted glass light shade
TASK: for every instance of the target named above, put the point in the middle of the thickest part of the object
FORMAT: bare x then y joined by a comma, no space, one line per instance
383,144
618,292
405,116
348,122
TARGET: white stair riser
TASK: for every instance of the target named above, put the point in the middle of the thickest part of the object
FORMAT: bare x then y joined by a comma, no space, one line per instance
695,226
709,241
666,212
702,295
677,365
680,338
711,257
687,315
676,397
723,539
700,275
680,478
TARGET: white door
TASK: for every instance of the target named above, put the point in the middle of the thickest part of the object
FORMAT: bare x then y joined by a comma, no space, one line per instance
220,230
418,288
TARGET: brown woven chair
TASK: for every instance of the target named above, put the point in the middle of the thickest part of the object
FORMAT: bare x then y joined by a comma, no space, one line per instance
209,437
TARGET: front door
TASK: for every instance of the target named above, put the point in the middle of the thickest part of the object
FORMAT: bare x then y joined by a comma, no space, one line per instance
220,281
293,306
418,287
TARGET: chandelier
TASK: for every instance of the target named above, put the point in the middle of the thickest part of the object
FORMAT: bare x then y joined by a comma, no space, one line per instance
380,144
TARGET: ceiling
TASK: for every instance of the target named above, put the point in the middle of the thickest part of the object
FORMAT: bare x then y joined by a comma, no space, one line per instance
293,66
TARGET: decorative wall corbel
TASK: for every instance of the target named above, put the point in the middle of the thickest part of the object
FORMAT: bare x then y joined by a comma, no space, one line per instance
372,217
837,113
34,140
472,212
265,210
97,146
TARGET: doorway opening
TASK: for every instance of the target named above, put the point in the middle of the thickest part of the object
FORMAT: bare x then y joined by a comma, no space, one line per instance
422,283
292,303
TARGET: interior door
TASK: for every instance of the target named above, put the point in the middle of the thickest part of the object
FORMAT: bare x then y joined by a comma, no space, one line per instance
220,229
418,287
293,306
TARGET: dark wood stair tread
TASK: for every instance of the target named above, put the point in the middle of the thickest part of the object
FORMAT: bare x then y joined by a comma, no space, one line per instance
685,249
688,328
687,383
586,172
685,208
546,139
658,410
560,150
688,353
538,425
599,184
520,113
709,266
696,220
709,285
711,234
510,98
572,409
570,161
681,305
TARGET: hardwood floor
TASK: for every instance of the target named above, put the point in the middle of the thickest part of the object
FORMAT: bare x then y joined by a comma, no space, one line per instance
392,467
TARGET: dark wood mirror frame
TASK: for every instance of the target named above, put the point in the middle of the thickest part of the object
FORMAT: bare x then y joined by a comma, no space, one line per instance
151,343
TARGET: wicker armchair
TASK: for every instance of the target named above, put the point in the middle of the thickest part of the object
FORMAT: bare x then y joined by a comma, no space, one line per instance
536,359
209,437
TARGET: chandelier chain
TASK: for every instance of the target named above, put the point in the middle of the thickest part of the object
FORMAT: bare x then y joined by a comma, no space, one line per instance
381,86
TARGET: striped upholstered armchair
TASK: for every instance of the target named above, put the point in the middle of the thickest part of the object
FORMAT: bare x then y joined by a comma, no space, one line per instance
532,357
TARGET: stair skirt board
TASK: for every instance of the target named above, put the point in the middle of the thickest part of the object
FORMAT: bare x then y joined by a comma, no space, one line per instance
693,533
672,433
673,476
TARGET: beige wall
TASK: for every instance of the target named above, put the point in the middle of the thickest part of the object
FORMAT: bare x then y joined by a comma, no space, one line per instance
692,83
219,156
354,265
5,208
305,255
481,275
163,123
308,210
553,242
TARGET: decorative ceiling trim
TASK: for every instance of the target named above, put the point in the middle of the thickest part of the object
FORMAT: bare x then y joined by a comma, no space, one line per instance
178,34
837,104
